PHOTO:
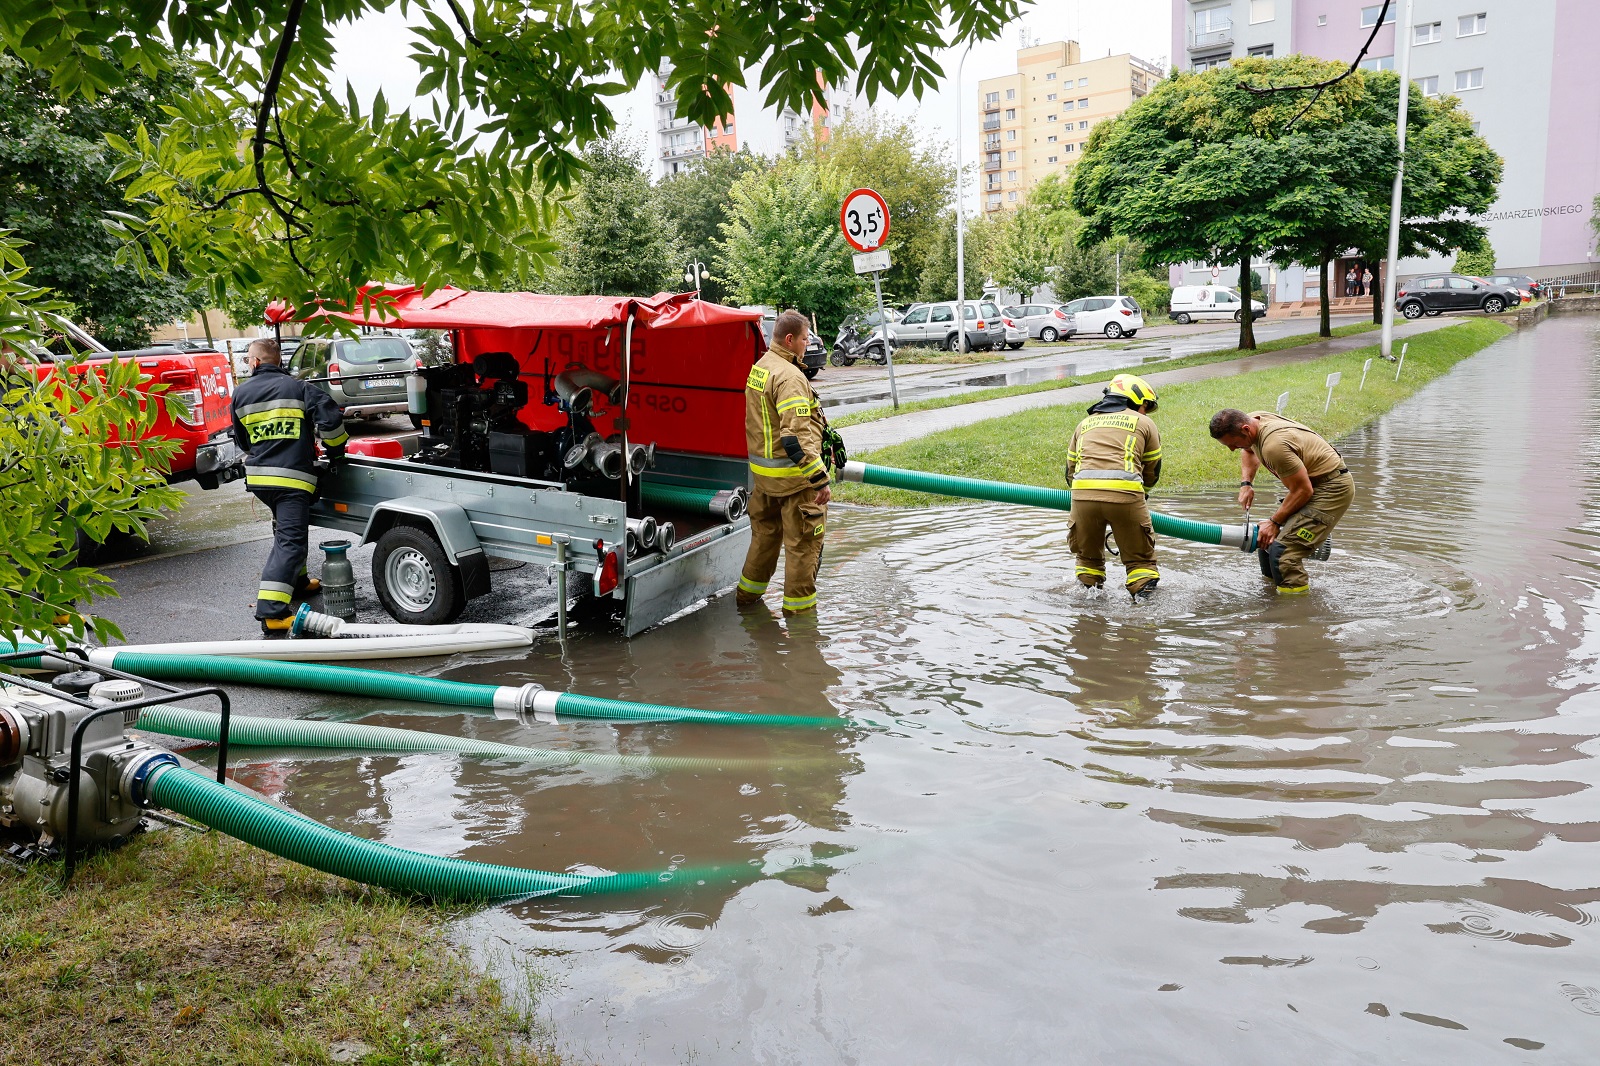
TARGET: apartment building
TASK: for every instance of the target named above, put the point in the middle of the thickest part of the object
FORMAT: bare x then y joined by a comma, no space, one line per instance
1524,70
1037,121
753,125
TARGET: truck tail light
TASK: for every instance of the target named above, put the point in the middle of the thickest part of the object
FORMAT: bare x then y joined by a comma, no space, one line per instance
605,578
333,374
183,386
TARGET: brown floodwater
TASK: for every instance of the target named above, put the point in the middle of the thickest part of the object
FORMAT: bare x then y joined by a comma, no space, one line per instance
1356,827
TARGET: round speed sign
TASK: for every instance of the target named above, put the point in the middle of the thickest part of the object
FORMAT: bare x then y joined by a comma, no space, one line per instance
865,220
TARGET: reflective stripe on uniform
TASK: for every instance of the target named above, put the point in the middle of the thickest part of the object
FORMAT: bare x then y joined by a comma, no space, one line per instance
772,460
268,412
800,603
1117,480
334,438
1151,457
1089,571
284,403
1293,590
279,477
776,471
274,596
1140,575
800,403
755,588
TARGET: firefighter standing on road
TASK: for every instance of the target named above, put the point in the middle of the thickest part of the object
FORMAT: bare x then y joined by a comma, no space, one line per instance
1112,463
783,428
1312,470
273,419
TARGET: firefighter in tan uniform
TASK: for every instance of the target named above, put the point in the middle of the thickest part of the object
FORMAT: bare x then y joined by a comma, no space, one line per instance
1320,488
1113,461
783,428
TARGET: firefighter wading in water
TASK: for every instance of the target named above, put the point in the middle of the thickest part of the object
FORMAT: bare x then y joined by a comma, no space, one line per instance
274,417
1113,461
783,428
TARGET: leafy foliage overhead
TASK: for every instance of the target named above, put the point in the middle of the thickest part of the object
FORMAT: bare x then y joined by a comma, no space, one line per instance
266,180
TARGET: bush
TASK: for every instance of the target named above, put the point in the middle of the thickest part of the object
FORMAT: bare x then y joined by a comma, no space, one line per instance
1151,293
1476,264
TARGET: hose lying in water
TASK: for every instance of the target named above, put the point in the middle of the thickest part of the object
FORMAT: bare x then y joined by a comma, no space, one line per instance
298,733
297,838
726,504
1242,537
359,642
505,700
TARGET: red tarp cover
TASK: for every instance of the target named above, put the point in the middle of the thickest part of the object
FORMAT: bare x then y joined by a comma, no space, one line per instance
688,368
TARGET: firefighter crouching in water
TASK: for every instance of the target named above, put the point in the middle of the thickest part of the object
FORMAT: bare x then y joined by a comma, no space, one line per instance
273,419
1113,461
784,428
1312,470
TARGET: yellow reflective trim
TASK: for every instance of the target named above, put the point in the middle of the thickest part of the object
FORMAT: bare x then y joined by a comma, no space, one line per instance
255,417
1150,457
758,378
268,481
1293,590
813,467
753,587
273,596
797,401
776,471
1091,571
340,440
802,603
1119,486
1135,575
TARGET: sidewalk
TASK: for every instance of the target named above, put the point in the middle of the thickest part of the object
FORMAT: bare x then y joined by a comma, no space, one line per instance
898,429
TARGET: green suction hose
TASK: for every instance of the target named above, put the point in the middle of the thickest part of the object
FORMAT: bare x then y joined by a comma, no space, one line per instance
299,839
541,704
1242,537
297,733
727,504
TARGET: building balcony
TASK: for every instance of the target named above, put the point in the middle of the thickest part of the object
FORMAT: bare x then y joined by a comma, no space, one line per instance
666,98
1219,38
991,166
992,123
683,151
676,122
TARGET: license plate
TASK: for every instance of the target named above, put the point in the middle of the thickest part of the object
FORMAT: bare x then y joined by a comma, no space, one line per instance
381,383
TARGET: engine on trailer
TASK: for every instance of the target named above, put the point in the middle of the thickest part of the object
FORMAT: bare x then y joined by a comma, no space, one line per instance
471,421
36,730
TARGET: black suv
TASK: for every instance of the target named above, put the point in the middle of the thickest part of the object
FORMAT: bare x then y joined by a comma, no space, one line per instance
1434,294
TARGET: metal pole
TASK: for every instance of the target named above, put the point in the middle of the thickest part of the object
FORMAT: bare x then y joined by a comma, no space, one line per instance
1119,271
888,351
1403,32
961,244
561,588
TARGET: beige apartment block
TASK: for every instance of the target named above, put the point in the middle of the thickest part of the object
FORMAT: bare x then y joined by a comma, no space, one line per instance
1037,121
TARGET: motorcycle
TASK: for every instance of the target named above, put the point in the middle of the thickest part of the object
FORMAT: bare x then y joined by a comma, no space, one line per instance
853,344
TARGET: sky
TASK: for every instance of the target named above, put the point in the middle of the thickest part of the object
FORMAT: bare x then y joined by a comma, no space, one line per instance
374,53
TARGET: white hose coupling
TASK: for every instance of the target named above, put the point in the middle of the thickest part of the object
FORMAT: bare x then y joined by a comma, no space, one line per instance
854,470
515,702
309,623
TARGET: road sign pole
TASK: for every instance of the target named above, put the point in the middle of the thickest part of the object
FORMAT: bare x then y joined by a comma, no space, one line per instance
888,350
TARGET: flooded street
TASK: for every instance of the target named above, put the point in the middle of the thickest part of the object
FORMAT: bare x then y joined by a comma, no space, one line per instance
1355,827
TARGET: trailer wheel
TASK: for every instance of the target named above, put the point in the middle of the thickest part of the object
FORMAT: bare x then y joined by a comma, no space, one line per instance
414,578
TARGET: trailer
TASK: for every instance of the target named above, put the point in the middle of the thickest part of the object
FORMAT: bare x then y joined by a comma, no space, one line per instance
599,436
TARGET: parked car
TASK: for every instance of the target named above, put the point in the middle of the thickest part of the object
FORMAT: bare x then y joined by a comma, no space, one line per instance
1532,286
1045,322
1434,294
815,357
1198,303
1016,336
366,376
934,326
1115,316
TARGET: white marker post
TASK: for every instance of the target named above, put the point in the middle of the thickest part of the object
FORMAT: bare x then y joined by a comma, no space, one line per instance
1283,403
1333,380
1364,368
864,218
1402,361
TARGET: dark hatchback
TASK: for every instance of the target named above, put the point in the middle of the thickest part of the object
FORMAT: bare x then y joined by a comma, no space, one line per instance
1434,294
816,356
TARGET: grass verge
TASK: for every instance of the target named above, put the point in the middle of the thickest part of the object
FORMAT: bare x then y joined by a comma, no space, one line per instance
182,947
874,414
1030,447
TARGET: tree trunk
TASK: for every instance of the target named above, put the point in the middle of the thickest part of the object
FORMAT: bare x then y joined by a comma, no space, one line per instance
1324,326
1247,316
205,320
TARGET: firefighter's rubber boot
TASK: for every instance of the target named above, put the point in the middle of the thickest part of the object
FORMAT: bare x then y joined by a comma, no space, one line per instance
1269,562
1293,590
310,588
276,628
1144,591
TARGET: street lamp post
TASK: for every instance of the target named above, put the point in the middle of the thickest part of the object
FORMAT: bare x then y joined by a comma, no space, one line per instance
961,244
1404,32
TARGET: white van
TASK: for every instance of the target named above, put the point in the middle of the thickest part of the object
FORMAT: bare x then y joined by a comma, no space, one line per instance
1196,303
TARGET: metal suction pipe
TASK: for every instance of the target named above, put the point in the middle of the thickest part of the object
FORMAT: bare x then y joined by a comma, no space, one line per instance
606,459
641,457
666,536
645,529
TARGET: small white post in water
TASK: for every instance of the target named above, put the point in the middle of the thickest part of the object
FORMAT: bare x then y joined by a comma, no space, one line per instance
1283,403
1402,361
1333,379
1364,368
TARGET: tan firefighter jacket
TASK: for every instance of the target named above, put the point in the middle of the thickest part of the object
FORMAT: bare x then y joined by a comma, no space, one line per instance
1114,456
783,425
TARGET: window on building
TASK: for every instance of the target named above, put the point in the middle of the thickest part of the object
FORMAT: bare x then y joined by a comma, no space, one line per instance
1083,103
1011,157
1477,127
1262,11
991,99
1011,175
1083,124
1203,63
1380,63
1050,139
1050,118
1427,33
994,201
1469,79
1011,94
1322,20
1429,86
1050,77
1369,15
1051,96
1011,135
1261,51
1069,105
1083,83
1213,19
1050,159
1069,148
1012,195
1472,25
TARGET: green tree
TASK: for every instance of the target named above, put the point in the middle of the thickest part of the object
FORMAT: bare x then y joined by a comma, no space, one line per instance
696,201
1478,263
938,280
264,179
1025,251
55,169
910,170
614,239
73,465
782,245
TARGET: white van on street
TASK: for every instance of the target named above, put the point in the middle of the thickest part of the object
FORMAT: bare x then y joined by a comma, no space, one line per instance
1197,303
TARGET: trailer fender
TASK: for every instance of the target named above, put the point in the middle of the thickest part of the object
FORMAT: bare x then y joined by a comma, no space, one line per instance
450,527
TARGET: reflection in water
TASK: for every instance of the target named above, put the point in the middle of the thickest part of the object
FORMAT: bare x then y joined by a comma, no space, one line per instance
1358,827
